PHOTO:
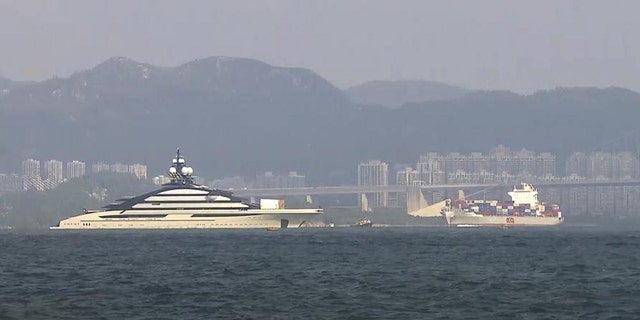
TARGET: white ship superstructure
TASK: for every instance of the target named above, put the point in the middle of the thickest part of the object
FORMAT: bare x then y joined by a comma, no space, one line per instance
184,204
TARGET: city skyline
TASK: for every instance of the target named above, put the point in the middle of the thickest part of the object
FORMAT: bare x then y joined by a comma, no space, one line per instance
51,174
603,166
499,164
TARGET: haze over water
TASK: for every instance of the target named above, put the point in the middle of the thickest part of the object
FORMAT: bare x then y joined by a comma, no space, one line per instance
377,273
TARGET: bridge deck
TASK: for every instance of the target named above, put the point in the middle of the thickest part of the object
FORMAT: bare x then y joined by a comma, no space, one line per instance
396,188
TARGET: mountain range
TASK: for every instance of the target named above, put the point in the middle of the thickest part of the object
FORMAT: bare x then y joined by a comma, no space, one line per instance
233,116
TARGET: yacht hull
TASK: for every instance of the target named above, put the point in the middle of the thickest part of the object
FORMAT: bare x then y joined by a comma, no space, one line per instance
282,218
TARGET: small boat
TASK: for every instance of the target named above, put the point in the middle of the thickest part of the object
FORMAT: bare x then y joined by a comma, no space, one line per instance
364,222
273,229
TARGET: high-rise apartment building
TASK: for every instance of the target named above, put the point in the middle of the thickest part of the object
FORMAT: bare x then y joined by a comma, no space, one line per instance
295,180
430,169
603,165
526,163
576,164
272,180
99,167
31,175
119,168
500,164
229,183
546,165
480,162
626,166
266,180
75,169
139,170
53,174
406,177
374,173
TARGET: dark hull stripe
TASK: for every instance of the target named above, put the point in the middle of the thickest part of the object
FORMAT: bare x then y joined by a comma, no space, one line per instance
188,208
216,215
187,201
156,216
128,216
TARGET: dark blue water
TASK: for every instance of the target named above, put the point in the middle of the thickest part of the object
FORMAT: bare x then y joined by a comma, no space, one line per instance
341,273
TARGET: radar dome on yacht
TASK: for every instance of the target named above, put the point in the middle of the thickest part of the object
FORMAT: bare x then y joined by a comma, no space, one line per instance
187,171
172,170
174,160
181,160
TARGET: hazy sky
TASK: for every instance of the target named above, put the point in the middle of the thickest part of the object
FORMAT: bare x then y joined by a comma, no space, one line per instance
480,44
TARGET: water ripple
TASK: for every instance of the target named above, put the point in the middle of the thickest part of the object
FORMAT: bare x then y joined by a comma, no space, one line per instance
379,273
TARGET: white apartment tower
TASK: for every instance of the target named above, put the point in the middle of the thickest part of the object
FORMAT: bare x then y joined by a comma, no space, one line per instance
99,167
53,174
119,168
31,175
374,173
75,169
140,170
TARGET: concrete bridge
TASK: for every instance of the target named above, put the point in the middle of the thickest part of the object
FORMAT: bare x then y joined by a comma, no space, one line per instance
416,202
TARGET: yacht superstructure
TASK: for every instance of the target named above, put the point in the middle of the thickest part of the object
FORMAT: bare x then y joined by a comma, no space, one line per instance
182,203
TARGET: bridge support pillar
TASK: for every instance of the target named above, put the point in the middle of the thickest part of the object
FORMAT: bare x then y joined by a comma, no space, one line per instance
417,205
364,203
415,199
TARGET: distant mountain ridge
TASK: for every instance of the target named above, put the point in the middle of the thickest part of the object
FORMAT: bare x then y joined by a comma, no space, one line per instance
217,109
219,76
233,116
396,93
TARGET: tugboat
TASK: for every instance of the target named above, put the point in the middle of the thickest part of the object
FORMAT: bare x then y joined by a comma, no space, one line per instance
364,222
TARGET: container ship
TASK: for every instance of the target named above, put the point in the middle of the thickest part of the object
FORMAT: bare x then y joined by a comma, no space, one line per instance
524,209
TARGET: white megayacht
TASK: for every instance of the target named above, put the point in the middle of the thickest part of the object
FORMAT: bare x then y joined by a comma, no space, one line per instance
182,203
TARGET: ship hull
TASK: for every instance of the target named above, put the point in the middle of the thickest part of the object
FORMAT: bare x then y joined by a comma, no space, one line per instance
500,220
247,219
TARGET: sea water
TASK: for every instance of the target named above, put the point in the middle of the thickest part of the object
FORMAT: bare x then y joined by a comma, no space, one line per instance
322,273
